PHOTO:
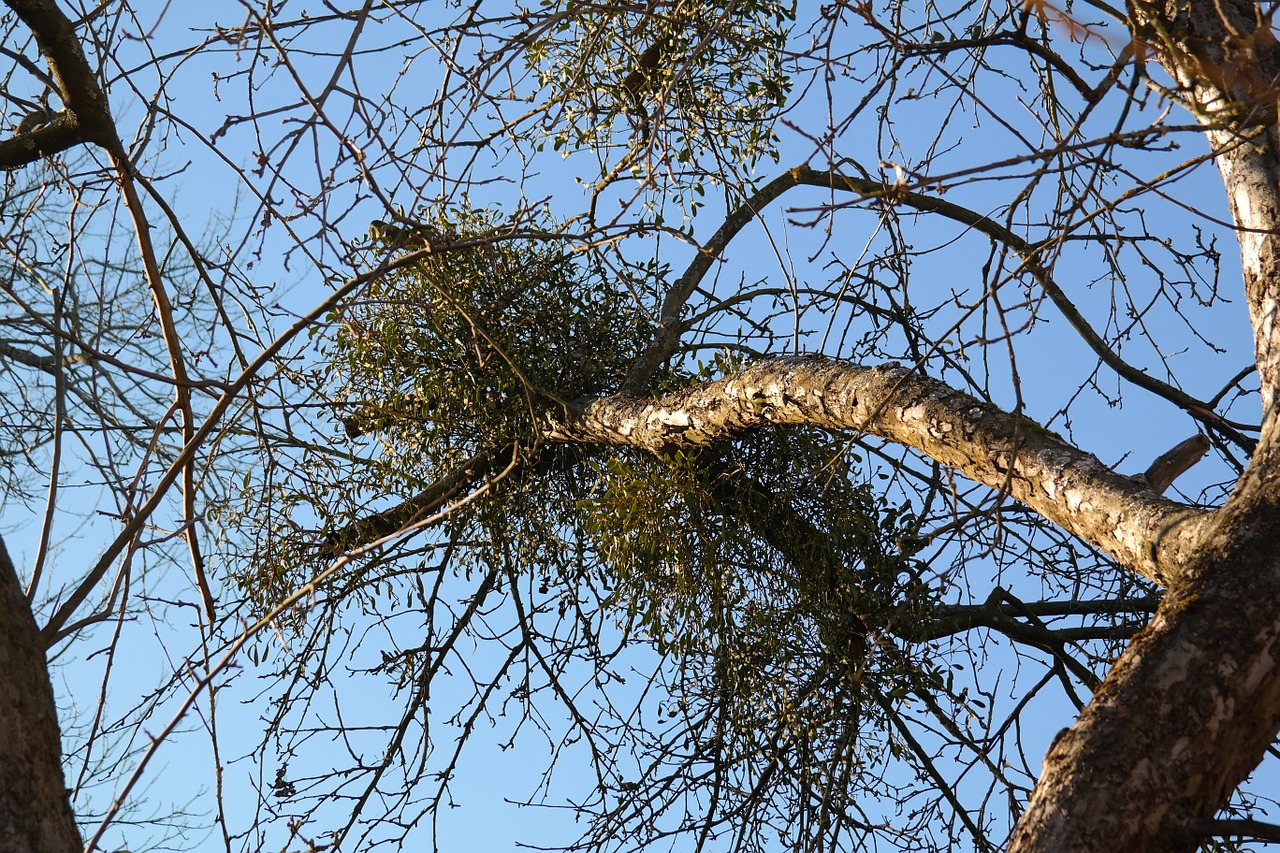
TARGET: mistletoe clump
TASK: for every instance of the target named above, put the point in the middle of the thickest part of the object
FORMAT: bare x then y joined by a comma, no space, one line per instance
475,344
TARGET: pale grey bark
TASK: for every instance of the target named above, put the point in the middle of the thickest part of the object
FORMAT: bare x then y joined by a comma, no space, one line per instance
1121,515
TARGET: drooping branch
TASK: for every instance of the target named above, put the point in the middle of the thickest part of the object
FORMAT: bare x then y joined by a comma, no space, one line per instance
1118,514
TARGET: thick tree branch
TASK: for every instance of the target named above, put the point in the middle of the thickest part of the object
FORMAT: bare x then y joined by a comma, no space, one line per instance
1188,710
87,116
1173,463
27,147
1001,608
48,363
1237,829
1192,705
1120,515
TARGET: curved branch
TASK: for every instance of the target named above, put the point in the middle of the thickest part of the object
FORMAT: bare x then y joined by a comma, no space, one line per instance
27,147
1030,255
671,327
1120,515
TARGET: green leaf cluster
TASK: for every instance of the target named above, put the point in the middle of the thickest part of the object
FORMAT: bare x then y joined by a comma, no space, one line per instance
694,76
769,573
769,556
472,346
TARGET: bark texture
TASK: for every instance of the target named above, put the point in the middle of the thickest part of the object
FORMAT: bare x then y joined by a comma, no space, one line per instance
1121,515
1190,707
35,812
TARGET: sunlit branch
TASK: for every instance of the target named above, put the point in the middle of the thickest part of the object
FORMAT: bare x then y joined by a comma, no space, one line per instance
1121,515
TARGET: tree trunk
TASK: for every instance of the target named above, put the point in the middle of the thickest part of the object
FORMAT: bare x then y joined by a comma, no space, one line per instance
1187,711
35,811
1191,706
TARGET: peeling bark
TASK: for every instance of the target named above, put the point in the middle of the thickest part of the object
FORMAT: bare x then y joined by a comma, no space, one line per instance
1146,533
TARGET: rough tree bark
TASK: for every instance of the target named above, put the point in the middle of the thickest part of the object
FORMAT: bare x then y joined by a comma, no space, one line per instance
35,811
1121,515
1189,709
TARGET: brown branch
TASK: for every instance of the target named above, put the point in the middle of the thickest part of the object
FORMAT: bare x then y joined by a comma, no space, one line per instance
88,118
1030,254
382,524
56,628
27,147
1173,463
1020,622
177,364
670,326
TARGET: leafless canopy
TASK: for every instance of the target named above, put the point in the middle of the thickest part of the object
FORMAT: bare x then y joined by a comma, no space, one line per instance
743,422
